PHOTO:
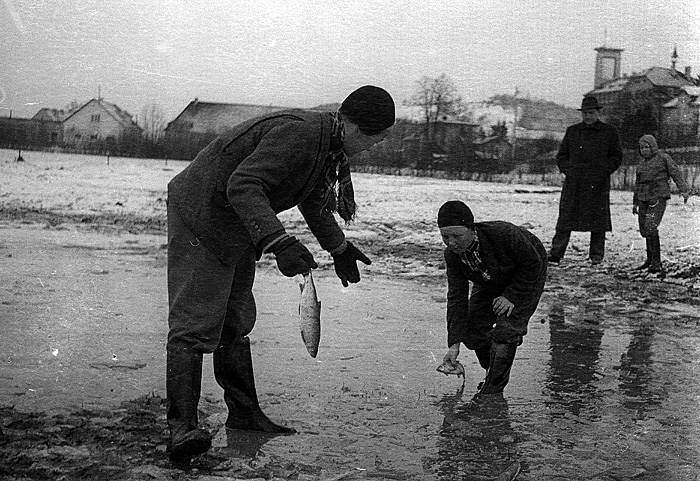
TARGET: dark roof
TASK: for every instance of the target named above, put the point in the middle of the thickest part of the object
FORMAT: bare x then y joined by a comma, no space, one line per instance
47,113
211,117
658,76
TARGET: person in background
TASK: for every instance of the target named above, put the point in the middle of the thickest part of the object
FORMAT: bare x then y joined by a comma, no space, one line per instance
651,192
507,267
222,216
589,153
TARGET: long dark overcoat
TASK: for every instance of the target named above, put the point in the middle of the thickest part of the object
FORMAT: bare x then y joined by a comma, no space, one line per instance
230,194
588,155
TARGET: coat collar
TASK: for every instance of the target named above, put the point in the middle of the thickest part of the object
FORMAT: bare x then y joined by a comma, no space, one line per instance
597,125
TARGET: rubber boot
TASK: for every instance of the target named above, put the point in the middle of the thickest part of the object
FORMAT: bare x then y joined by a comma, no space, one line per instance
647,262
233,370
498,375
483,354
183,388
655,265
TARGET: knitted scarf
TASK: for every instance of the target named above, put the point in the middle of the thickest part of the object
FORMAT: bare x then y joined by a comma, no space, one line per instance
339,195
472,259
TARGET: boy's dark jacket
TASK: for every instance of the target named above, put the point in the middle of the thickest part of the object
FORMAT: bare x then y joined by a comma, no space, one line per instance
230,193
515,259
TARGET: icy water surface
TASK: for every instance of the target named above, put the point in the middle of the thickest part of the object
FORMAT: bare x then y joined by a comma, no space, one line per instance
598,391
601,389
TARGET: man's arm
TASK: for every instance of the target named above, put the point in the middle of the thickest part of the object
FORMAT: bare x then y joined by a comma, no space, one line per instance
286,150
563,155
321,222
614,151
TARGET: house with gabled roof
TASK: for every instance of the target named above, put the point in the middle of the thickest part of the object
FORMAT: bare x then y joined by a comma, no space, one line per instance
99,122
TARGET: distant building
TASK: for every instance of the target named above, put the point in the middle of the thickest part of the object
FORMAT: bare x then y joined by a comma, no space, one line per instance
681,116
200,122
24,133
99,123
667,95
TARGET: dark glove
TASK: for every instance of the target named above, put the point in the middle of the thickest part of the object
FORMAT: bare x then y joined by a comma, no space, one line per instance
293,257
346,264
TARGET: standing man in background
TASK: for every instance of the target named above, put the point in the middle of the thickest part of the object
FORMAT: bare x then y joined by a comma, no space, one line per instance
222,216
589,154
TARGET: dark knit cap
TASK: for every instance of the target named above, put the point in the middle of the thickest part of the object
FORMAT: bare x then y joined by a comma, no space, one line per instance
371,108
455,212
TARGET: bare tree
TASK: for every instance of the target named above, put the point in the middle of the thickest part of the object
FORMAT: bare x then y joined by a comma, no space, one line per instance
153,122
438,98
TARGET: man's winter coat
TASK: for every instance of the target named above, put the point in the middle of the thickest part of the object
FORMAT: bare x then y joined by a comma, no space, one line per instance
588,155
230,193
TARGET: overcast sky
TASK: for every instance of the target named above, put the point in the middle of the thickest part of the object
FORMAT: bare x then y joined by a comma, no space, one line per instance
301,53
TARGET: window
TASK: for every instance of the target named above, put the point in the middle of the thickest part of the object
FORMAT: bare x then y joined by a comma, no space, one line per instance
95,118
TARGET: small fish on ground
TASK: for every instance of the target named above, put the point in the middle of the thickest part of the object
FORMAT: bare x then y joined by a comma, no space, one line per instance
448,368
309,314
511,473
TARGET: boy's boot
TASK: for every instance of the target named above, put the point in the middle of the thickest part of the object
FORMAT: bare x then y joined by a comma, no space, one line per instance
655,265
647,262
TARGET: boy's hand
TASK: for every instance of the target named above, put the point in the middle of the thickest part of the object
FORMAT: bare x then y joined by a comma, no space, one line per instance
502,306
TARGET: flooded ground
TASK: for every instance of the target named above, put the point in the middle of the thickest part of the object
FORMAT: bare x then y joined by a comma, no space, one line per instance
604,387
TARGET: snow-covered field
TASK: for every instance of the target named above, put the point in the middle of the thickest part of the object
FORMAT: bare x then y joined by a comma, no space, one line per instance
395,220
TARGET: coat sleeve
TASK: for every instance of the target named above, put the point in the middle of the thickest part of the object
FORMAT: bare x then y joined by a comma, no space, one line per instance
457,301
288,149
676,174
321,222
614,151
563,155
529,264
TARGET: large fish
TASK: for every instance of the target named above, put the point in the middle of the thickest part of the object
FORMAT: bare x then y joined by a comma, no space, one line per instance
309,315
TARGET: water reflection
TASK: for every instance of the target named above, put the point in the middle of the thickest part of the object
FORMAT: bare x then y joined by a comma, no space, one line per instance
637,373
476,437
246,444
574,354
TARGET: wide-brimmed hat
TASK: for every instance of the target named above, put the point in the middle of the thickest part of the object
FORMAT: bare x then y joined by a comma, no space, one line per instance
590,103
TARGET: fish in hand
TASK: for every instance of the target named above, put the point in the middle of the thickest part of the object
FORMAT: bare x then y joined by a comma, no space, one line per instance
309,314
448,368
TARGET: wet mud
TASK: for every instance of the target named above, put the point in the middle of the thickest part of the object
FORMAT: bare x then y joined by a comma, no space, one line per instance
604,387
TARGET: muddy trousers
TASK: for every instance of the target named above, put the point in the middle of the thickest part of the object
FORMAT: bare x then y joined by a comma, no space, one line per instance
233,370
183,386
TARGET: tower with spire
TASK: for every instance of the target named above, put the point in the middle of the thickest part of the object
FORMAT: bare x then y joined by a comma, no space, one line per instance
674,58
